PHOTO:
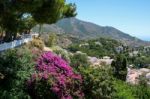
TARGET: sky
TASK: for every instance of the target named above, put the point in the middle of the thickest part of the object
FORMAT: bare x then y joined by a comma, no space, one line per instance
129,16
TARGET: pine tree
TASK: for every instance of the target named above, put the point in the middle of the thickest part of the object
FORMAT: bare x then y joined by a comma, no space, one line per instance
13,13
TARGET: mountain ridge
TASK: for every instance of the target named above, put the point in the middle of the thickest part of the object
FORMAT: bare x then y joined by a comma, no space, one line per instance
88,30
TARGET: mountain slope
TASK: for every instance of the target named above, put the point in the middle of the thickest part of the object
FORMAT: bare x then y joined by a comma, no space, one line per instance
87,30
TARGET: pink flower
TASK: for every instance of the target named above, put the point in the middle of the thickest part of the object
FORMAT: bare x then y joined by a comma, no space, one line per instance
34,76
45,76
53,68
55,89
69,97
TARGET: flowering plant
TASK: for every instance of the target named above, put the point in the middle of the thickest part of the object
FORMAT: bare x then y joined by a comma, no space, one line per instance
58,78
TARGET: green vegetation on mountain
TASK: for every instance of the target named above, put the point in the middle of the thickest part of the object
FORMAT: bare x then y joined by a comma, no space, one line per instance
96,48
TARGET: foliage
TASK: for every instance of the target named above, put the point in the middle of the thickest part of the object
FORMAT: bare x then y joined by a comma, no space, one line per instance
64,54
143,89
52,40
36,42
54,78
96,48
140,61
138,57
126,91
27,24
97,82
16,66
120,67
123,90
14,12
79,60
142,92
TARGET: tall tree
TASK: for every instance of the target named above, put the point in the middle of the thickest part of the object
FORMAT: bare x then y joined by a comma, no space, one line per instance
13,13
120,67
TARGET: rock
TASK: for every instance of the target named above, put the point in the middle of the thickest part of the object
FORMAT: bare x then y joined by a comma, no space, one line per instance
144,70
148,76
47,49
132,76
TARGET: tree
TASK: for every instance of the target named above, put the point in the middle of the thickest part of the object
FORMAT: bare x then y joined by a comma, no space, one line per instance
13,13
28,24
120,67
1,32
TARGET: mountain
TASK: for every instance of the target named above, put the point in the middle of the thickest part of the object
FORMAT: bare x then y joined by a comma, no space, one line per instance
86,30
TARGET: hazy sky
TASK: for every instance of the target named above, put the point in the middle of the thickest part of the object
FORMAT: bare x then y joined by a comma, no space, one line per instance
129,16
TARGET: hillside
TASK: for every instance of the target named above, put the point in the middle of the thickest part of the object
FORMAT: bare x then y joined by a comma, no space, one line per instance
87,30
96,48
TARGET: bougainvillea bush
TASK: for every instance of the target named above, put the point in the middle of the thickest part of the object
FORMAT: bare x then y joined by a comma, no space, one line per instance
54,79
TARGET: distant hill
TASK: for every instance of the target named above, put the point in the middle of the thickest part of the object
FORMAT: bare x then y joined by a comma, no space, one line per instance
86,30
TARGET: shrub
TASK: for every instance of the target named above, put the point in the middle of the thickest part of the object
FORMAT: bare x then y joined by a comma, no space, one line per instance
15,67
79,59
97,82
36,42
52,40
54,79
36,53
123,90
142,91
62,53
126,91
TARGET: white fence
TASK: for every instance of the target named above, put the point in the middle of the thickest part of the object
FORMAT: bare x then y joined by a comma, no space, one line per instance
15,43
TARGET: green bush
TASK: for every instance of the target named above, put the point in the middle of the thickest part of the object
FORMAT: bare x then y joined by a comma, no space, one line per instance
126,91
123,90
36,42
142,91
52,40
16,66
97,82
79,59
62,53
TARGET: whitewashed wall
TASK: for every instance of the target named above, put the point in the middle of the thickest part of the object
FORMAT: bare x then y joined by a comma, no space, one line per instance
15,43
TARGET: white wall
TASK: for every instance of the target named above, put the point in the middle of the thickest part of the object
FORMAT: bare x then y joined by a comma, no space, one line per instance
15,43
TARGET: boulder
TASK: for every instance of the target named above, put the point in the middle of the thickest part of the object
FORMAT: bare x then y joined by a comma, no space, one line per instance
148,76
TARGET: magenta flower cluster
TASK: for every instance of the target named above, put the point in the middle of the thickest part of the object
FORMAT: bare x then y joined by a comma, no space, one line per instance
57,72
